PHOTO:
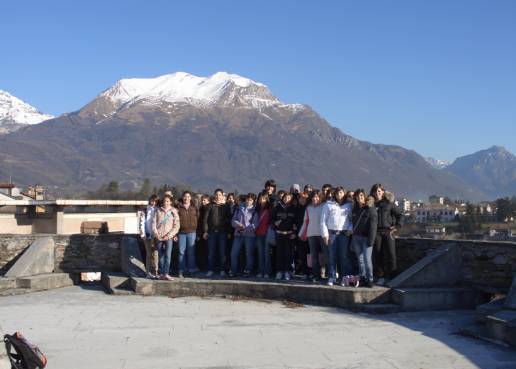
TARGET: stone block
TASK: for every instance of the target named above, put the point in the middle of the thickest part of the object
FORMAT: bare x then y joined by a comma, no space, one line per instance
446,298
502,326
45,281
489,308
37,259
132,261
510,301
439,268
111,281
7,283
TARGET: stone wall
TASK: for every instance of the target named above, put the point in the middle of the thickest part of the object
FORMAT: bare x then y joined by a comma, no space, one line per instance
73,253
487,265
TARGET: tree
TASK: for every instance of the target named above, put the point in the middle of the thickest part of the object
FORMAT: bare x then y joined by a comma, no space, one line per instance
504,209
113,187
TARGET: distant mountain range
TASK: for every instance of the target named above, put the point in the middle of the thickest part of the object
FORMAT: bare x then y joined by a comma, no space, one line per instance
14,113
223,130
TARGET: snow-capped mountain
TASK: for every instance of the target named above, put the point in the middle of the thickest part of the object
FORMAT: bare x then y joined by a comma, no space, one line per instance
14,113
437,163
219,89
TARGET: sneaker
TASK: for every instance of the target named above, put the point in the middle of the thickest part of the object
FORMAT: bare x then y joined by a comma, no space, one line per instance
344,282
167,277
287,276
266,276
306,277
231,275
330,281
246,274
151,276
380,281
209,274
279,275
259,275
180,275
315,280
222,274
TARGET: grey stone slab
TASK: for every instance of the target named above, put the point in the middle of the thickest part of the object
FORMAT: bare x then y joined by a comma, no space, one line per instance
510,301
115,280
7,283
489,308
45,281
132,262
440,268
37,259
78,328
502,326
424,299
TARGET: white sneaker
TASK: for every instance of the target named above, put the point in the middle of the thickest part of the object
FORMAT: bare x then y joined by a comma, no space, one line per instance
279,275
380,281
222,273
266,276
287,276
259,275
330,282
209,274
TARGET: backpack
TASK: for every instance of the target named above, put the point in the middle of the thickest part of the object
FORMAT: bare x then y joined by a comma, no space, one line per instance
22,353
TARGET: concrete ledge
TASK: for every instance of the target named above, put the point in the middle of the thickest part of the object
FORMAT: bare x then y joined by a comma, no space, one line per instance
37,259
7,283
421,299
295,292
502,327
489,308
132,262
45,281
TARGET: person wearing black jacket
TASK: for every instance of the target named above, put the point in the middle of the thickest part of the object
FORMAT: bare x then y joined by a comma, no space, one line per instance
284,223
389,220
216,224
365,223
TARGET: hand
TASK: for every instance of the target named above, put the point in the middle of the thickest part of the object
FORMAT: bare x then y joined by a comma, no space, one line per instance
205,236
165,238
325,240
175,239
292,236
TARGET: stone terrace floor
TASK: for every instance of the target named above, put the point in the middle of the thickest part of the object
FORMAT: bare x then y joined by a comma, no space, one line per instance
79,327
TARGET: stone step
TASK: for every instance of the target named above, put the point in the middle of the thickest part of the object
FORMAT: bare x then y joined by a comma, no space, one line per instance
376,308
121,291
268,290
490,308
45,281
442,298
7,283
111,281
502,326
14,291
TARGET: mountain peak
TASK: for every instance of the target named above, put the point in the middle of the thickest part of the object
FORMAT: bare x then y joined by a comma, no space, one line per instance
15,113
220,88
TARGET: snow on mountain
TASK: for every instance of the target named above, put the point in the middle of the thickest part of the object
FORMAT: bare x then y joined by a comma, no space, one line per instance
437,163
220,88
14,113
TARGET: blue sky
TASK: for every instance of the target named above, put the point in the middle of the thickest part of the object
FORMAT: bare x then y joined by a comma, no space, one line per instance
435,76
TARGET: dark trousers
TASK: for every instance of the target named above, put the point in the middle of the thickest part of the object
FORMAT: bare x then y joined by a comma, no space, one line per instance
302,252
384,255
283,253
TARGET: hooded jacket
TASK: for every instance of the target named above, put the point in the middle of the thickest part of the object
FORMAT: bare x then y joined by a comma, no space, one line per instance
247,218
388,213
284,218
365,220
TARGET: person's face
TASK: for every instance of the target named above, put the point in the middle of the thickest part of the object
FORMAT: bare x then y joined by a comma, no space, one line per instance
379,193
263,200
187,198
204,201
316,200
287,198
295,190
361,198
270,190
249,202
166,202
152,203
339,195
325,191
309,189
230,200
219,197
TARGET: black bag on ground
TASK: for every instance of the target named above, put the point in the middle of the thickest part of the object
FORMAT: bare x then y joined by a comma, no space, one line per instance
22,353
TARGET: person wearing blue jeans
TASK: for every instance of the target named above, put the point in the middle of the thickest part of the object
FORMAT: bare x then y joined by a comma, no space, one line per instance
188,215
245,222
263,208
264,257
336,228
215,225
187,246
165,256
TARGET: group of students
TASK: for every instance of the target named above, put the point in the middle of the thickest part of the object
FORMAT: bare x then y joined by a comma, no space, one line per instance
346,234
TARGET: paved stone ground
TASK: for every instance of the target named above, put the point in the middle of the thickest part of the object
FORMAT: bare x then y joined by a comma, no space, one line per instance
85,328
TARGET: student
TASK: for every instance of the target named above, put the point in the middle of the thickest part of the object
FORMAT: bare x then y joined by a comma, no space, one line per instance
216,224
188,216
389,220
245,222
336,230
284,221
270,190
312,231
264,210
308,189
165,226
301,242
202,244
365,222
326,192
146,217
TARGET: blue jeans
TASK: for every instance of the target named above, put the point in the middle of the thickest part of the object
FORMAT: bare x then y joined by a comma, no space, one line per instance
316,246
264,255
187,242
364,252
217,239
165,256
249,251
338,252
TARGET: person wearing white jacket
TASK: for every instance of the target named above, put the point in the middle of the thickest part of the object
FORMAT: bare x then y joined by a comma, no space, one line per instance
311,230
336,228
146,217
